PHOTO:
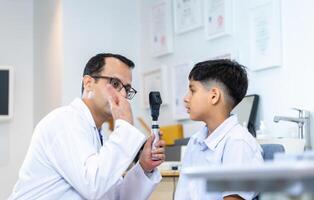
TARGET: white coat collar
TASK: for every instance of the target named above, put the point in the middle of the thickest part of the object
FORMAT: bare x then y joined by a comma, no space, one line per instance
79,105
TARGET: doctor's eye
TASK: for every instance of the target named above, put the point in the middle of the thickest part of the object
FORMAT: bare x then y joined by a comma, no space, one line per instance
116,83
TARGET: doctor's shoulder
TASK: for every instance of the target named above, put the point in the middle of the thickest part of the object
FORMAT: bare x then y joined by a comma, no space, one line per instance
52,117
57,120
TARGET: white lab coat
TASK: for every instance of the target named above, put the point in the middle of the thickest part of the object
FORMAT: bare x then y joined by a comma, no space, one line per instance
66,160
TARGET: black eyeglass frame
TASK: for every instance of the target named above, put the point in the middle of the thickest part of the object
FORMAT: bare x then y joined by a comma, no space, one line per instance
130,91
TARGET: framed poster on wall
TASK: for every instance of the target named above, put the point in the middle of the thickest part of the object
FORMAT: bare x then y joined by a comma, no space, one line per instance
180,87
265,34
161,28
154,80
218,16
187,15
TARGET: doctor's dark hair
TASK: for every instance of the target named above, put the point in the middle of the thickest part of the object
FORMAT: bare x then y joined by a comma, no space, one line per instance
230,74
96,64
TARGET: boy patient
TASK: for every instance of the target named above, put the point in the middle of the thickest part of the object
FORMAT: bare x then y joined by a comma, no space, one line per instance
215,88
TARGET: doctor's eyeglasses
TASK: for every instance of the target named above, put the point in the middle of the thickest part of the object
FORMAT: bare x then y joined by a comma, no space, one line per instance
118,85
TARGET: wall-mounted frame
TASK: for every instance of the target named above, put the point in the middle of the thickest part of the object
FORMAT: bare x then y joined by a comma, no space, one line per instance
154,79
218,15
161,28
265,34
187,15
6,93
180,87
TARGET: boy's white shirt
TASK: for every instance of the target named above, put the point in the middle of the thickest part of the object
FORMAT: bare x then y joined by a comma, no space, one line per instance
230,143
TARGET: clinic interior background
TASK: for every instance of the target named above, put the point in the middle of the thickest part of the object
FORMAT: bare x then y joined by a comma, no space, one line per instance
48,43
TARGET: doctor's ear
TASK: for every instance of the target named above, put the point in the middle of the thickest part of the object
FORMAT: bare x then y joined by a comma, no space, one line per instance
214,95
88,82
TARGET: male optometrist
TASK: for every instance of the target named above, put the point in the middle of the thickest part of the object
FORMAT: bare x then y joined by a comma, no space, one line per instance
67,159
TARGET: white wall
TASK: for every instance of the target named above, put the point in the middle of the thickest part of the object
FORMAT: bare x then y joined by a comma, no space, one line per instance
95,27
279,88
47,57
16,49
110,27
66,36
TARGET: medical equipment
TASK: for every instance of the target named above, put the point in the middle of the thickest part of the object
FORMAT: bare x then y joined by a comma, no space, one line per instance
155,102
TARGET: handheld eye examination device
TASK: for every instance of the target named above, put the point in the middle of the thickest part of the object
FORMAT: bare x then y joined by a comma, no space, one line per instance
154,103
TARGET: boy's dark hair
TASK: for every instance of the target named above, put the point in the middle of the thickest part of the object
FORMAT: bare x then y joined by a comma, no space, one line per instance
96,64
231,74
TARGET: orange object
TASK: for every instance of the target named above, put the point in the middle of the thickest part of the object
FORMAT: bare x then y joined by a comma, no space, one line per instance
171,133
111,124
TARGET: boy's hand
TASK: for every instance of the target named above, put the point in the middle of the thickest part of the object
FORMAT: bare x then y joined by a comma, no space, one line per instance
119,105
146,161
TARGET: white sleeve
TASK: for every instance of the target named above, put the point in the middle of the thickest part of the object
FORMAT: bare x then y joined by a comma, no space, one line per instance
136,185
237,151
90,173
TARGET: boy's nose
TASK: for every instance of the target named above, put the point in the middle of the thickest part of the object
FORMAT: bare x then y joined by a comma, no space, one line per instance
185,99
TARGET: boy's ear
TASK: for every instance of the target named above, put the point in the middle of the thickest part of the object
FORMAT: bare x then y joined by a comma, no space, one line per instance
215,95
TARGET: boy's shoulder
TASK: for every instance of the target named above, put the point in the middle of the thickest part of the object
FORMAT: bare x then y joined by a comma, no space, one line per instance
240,133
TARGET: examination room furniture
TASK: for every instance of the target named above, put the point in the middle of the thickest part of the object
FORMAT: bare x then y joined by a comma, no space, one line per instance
293,178
269,150
166,188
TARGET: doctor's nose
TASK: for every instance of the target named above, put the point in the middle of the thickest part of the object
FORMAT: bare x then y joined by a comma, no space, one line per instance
123,92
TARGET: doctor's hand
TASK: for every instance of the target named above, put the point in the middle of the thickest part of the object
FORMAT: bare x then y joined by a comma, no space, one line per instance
119,105
146,161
